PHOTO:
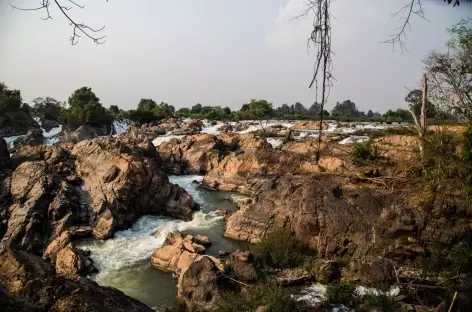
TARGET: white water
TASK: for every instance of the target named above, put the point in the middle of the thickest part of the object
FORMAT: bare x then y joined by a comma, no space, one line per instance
275,142
121,126
123,261
316,293
355,139
166,138
211,129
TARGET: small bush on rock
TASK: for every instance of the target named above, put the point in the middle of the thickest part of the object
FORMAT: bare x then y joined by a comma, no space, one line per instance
273,297
381,302
280,249
365,151
342,293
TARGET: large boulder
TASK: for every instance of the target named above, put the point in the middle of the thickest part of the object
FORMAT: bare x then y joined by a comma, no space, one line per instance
17,123
241,264
309,125
200,285
84,132
343,218
123,185
34,284
178,252
33,137
4,154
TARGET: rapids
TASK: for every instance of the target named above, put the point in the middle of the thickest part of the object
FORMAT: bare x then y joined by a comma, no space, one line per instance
123,261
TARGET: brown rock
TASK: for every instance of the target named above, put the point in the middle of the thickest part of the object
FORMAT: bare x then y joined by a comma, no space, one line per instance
202,240
33,137
199,285
326,271
4,154
33,283
177,253
242,266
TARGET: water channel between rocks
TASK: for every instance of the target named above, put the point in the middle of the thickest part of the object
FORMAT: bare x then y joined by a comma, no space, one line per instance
124,261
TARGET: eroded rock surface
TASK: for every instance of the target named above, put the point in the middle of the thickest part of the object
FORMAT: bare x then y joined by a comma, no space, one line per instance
179,252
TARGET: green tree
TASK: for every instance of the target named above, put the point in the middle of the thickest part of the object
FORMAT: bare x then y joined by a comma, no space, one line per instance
196,109
183,112
449,74
47,108
114,110
370,113
85,108
345,109
163,110
146,105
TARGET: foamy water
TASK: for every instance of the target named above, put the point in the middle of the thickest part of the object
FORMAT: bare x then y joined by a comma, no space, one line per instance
316,293
124,261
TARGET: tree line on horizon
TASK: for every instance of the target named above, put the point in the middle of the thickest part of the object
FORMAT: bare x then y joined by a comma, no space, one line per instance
84,107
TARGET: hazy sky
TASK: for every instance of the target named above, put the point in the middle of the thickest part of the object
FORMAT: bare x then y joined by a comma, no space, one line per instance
216,52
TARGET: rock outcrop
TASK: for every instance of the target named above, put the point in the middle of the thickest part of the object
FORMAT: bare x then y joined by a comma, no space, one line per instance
33,137
4,154
309,125
179,252
33,284
123,185
201,284
84,132
340,218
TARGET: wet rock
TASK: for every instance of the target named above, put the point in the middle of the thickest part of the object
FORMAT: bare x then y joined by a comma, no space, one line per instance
124,186
326,271
200,285
4,154
242,266
309,125
48,124
202,240
178,252
34,283
84,132
33,137
72,261
223,253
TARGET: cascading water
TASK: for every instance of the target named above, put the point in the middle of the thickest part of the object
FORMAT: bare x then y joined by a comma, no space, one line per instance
123,261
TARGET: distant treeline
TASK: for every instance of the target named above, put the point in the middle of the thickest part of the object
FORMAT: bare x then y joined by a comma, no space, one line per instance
84,107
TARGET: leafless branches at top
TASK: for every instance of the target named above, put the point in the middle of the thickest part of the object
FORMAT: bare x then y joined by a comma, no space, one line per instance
78,29
320,39
414,7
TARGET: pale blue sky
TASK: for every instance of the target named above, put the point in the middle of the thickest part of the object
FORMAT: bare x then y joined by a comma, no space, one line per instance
216,52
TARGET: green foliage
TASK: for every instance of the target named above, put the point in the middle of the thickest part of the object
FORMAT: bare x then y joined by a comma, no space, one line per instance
114,110
47,108
85,108
467,160
440,160
365,151
458,260
13,113
256,110
146,105
381,302
271,296
346,109
342,293
280,249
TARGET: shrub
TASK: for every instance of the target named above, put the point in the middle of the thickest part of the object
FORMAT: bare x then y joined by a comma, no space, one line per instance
270,295
365,151
280,249
382,302
341,293
467,159
440,160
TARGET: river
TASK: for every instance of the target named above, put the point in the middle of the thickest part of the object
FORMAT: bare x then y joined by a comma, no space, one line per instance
124,261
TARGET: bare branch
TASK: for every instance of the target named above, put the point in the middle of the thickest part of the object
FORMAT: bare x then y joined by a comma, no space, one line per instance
415,7
77,28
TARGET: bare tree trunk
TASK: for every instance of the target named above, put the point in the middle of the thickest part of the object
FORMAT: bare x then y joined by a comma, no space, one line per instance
421,124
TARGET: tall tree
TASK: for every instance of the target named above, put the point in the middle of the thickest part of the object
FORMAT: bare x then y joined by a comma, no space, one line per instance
450,73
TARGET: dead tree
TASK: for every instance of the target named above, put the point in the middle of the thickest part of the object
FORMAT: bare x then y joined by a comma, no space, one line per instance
78,29
320,39
421,124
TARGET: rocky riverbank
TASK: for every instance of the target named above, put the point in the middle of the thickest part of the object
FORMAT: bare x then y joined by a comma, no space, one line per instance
368,220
